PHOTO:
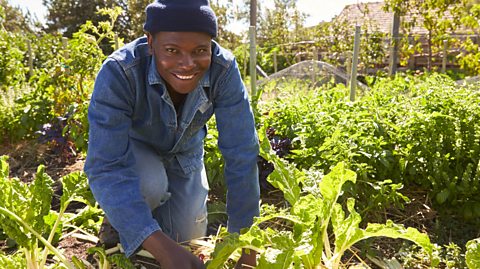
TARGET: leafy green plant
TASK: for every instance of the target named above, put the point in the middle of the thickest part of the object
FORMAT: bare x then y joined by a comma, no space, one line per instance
213,158
105,261
413,131
12,70
312,219
472,254
25,211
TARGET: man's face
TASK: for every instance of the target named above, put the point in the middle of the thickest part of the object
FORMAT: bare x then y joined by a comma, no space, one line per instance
182,58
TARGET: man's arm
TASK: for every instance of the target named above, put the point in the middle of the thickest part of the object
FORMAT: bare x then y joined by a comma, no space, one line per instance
110,161
238,142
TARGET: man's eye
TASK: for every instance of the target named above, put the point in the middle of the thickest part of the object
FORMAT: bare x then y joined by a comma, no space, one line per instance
201,51
170,50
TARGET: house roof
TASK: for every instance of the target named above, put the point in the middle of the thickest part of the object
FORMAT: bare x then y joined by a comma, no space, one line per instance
376,18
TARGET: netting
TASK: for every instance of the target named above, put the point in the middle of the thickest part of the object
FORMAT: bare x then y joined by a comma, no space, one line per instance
315,72
303,76
470,80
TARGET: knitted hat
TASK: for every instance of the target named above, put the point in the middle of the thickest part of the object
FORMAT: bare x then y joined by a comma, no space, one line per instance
180,16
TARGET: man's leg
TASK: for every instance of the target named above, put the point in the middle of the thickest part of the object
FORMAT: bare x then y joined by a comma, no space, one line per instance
184,215
153,186
153,177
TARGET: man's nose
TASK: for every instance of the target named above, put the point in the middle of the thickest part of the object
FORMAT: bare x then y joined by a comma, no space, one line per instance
187,61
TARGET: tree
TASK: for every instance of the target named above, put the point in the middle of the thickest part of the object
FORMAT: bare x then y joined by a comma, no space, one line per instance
226,14
131,24
14,20
439,17
66,16
279,29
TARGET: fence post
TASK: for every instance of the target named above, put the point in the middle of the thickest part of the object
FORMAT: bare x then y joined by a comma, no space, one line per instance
353,76
275,67
253,63
411,60
445,56
245,62
65,47
348,65
116,42
314,65
394,44
30,58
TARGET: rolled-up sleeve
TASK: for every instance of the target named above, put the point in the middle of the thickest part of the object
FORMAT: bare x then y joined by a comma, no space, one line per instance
238,143
109,164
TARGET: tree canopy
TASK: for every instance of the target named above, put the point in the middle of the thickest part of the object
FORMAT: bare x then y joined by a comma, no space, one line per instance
13,19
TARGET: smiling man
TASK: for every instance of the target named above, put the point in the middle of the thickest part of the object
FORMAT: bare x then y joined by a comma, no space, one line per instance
151,101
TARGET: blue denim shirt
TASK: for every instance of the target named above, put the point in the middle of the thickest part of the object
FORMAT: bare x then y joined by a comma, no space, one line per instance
130,101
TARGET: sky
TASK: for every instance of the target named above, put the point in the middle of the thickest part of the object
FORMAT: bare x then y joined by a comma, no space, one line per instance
317,10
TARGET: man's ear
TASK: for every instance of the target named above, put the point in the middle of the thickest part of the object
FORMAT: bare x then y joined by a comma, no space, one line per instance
150,42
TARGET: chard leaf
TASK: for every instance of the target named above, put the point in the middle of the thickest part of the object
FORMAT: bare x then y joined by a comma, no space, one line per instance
75,188
393,230
4,167
223,250
307,209
12,261
331,185
472,255
285,177
30,203
254,238
41,191
345,228
281,252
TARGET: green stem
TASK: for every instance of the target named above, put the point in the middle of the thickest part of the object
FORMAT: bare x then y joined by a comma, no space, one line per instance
47,244
30,257
52,234
326,243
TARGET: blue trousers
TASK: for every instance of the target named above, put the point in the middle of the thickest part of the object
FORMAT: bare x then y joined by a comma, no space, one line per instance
177,200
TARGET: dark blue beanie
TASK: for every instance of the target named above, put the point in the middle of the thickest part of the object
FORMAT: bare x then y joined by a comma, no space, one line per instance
180,16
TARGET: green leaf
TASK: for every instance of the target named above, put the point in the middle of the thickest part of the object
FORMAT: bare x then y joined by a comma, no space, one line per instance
224,250
280,254
30,203
121,261
75,188
285,177
472,255
41,192
442,196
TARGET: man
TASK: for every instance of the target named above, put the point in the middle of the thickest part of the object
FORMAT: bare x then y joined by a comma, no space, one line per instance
151,101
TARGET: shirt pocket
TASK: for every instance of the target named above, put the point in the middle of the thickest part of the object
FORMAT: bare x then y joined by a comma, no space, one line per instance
203,114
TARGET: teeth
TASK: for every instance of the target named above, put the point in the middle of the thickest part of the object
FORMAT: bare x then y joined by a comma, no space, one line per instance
184,77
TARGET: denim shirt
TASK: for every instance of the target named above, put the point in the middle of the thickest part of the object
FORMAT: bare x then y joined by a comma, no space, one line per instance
130,101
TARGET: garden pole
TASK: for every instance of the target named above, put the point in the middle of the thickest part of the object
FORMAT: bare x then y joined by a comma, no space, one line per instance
353,76
314,65
30,59
253,53
245,62
444,60
253,63
116,42
65,47
394,44
275,68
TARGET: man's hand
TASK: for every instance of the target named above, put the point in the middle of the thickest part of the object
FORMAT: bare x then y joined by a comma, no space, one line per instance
247,260
169,254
